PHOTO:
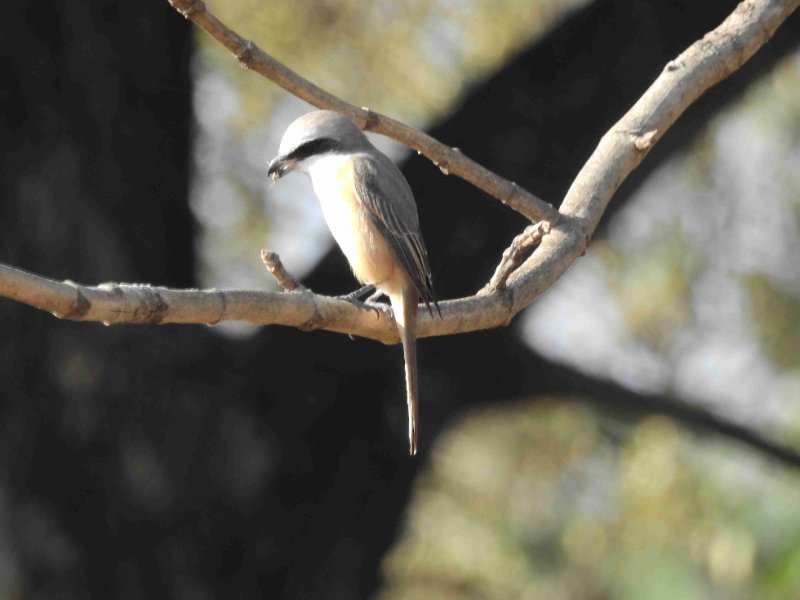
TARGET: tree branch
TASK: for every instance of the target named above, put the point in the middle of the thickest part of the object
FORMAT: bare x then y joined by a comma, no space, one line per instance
572,382
683,80
520,248
449,160
275,267
704,64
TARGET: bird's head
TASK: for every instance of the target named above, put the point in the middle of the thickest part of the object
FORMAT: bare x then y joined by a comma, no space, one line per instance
312,135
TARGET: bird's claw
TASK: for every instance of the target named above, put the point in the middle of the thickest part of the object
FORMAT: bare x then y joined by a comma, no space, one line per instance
370,302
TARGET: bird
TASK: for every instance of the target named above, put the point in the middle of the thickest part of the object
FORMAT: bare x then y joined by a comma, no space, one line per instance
369,208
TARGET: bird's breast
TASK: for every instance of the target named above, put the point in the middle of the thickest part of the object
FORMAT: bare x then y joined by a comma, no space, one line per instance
368,253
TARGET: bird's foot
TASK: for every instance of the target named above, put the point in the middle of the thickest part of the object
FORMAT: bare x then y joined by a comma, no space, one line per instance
370,302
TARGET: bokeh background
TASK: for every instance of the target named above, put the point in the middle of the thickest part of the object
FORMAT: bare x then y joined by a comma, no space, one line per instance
633,434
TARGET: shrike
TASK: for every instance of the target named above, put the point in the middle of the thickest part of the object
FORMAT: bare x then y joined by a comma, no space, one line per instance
371,213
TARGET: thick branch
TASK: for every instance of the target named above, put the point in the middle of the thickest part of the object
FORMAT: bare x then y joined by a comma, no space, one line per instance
684,79
112,303
449,160
704,64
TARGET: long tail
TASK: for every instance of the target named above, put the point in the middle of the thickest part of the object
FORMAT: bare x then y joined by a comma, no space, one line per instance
405,315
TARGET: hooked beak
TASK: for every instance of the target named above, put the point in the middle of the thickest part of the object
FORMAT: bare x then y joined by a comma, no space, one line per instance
279,166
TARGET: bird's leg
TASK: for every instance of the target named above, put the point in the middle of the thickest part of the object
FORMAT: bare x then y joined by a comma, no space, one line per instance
373,303
362,291
355,298
373,298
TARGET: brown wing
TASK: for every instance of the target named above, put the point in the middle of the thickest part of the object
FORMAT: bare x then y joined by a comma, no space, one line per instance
390,203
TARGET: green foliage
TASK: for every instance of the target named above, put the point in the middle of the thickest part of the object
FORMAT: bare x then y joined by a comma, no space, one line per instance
408,58
548,500
653,287
775,317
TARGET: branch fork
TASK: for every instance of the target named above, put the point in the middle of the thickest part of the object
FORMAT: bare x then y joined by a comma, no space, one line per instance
522,275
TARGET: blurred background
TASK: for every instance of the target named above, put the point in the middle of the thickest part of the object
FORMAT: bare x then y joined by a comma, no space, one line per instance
633,434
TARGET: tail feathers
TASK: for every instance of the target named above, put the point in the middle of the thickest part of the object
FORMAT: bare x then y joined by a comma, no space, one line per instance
405,309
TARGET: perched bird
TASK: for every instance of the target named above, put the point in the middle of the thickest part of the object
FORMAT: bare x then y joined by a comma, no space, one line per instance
370,210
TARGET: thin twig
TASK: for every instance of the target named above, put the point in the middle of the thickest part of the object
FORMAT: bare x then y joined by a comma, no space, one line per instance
449,160
513,256
275,267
